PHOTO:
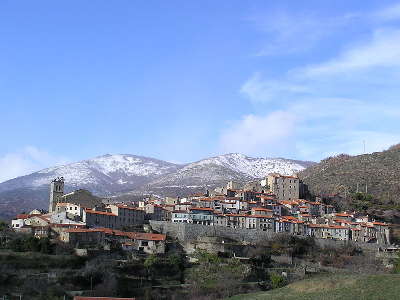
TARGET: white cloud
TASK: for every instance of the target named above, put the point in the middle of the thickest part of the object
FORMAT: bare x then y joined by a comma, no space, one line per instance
25,161
383,50
295,32
258,89
313,129
375,62
335,104
259,135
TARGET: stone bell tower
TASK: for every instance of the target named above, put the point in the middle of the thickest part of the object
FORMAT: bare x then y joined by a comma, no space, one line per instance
56,192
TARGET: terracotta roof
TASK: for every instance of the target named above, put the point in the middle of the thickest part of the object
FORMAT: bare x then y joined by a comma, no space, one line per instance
201,208
67,225
81,230
327,226
148,236
22,216
197,195
342,215
284,176
43,217
261,209
99,212
237,215
338,227
260,216
206,199
127,207
380,224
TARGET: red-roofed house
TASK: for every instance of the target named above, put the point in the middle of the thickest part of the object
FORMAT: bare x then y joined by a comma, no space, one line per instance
261,211
19,221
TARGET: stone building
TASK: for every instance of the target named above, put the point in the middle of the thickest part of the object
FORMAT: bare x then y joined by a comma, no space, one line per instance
284,187
56,192
127,216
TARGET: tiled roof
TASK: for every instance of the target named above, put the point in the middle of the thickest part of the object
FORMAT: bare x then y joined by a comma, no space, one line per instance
327,226
127,207
82,230
201,208
380,224
260,216
261,209
148,236
66,225
99,212
342,215
22,216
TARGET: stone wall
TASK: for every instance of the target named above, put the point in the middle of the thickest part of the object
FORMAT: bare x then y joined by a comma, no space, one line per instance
190,232
185,232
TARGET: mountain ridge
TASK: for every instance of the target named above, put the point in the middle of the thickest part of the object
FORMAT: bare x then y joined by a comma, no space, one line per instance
112,174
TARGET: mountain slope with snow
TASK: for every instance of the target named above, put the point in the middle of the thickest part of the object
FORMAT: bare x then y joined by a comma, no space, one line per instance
234,166
103,175
254,167
109,175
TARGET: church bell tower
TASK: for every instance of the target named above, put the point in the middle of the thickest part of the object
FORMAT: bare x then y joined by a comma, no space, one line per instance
56,192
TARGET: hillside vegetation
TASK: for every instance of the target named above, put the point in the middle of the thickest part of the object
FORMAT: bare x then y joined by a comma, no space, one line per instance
345,287
379,172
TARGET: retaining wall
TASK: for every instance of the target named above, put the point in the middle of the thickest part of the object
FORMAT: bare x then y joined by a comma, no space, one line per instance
185,232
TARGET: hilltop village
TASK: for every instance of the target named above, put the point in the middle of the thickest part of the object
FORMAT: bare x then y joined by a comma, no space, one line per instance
271,205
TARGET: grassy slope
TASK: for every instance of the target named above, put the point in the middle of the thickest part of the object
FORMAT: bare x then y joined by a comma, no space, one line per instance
349,287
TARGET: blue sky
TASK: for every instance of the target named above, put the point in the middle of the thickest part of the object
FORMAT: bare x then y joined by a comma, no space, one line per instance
183,80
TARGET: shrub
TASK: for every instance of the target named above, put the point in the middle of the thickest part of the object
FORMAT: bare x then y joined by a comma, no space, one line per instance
277,281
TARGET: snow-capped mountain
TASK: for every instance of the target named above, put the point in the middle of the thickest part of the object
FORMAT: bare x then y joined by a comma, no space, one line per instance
253,167
216,170
123,173
103,175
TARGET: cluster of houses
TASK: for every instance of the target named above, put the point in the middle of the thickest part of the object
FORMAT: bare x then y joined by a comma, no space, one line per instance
272,204
84,221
